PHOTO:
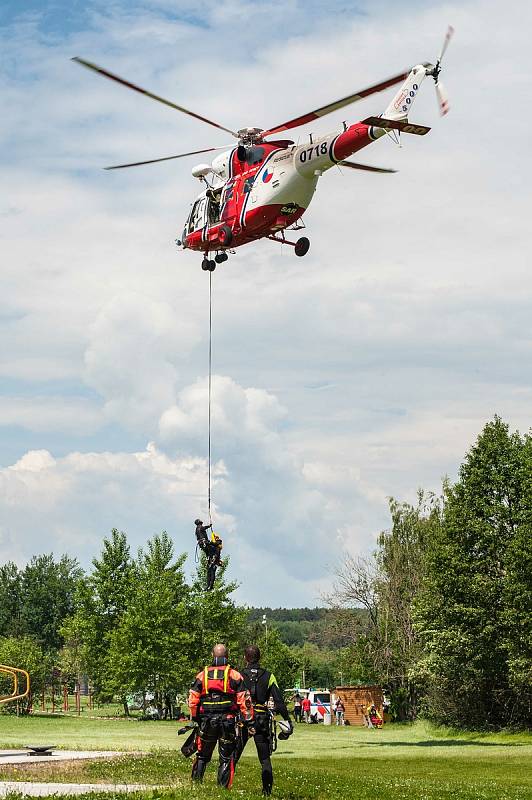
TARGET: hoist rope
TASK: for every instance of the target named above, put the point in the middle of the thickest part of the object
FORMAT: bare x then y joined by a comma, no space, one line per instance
210,390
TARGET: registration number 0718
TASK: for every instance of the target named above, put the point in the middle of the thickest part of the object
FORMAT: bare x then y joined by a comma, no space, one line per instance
315,151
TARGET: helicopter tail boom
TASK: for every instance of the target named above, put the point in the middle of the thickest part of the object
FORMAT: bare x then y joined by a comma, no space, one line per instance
399,108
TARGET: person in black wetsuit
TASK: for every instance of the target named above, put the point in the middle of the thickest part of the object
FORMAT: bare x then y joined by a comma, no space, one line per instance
212,549
262,686
201,534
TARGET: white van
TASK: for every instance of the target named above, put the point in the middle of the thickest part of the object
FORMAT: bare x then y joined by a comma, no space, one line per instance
320,702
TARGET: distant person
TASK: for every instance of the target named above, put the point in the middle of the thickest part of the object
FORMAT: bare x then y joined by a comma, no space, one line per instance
297,707
339,711
375,719
305,708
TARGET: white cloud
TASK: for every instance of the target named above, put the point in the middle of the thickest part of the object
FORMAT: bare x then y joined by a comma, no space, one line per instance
61,414
132,354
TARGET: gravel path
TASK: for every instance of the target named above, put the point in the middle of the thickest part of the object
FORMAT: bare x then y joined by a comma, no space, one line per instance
30,789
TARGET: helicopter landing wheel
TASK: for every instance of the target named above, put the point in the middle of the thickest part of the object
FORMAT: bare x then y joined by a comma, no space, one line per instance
221,257
302,246
209,265
225,235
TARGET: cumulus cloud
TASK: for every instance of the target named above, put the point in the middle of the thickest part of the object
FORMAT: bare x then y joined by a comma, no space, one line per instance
131,358
71,502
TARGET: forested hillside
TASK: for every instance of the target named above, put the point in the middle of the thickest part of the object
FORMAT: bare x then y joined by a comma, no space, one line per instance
296,626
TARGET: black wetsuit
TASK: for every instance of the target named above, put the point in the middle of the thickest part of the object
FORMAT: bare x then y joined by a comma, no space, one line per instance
211,550
262,686
201,535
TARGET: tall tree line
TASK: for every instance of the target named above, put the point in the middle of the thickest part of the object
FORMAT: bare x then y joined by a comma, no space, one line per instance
132,625
448,594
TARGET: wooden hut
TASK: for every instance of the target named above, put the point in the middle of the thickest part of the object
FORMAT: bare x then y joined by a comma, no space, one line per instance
356,699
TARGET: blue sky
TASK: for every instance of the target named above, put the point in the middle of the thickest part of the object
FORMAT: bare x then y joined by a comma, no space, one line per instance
362,371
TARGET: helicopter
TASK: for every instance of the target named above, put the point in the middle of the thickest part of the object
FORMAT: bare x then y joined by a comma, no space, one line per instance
260,187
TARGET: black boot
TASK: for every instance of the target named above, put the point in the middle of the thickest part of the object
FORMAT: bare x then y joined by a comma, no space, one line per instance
226,772
267,777
198,769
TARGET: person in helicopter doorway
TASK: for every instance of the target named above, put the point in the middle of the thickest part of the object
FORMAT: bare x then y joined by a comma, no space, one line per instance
263,689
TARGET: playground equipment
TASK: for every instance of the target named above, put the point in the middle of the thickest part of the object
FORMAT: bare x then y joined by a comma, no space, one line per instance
15,673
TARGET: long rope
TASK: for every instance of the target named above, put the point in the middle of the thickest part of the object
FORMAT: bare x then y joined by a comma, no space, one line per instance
210,389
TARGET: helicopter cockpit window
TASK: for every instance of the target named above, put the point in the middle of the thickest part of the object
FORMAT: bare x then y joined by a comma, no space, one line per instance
197,216
254,155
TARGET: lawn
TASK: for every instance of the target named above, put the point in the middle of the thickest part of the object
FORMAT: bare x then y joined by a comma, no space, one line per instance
414,762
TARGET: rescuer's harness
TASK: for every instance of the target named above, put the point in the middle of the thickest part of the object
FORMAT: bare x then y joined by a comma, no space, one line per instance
219,697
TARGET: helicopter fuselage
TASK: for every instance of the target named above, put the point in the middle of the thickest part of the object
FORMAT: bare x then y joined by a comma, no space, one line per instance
269,190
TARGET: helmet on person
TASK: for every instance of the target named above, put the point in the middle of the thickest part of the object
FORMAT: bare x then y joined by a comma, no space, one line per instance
198,522
286,730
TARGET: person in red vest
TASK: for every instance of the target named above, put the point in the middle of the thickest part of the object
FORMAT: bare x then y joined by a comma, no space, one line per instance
216,697
305,707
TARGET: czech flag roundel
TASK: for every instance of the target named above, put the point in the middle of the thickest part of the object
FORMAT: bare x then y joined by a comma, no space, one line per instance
267,176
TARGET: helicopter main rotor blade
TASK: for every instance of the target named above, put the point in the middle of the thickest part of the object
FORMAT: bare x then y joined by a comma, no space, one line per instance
365,167
167,158
330,107
129,85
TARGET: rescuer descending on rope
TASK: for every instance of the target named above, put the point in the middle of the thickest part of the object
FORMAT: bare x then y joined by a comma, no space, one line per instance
216,697
213,552
212,547
262,687
201,534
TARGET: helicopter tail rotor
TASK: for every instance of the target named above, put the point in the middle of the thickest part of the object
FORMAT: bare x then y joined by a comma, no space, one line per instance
441,92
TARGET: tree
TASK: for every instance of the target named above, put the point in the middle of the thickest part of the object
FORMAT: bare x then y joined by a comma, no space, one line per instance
100,603
518,597
279,658
473,615
25,653
384,645
47,589
150,647
10,599
215,617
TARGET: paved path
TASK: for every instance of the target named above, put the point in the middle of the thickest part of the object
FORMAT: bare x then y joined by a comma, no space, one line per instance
23,757
30,789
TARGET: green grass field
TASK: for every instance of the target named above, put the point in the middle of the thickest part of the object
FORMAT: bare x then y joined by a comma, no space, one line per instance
402,762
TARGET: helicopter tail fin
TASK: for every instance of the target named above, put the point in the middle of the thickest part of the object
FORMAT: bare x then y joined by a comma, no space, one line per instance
400,106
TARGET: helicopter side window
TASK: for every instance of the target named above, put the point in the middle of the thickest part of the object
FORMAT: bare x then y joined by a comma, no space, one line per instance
254,155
